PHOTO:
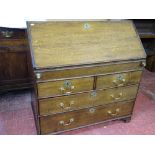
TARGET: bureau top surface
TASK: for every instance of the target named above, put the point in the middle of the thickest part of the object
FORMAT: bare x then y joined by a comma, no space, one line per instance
67,43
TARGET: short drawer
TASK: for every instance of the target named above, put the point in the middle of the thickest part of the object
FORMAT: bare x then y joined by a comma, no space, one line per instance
116,80
84,100
74,119
62,87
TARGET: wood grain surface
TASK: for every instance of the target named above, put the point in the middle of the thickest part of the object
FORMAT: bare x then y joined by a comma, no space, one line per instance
74,102
120,79
88,70
47,89
58,43
85,72
83,117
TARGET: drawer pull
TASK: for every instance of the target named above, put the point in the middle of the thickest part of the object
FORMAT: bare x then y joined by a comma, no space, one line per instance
117,98
116,82
7,34
66,108
63,91
115,113
71,120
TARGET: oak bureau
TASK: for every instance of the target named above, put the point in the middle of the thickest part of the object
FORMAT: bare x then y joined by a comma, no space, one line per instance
84,72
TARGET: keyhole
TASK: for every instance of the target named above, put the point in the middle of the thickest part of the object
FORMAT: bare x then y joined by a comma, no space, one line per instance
67,84
87,26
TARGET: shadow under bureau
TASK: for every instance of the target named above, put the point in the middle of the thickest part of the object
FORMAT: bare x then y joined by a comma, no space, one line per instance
84,72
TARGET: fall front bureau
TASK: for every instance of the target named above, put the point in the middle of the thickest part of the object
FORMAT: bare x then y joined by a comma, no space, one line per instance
84,72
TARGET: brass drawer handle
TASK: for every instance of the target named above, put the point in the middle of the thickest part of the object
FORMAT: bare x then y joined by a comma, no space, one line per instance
7,34
71,120
63,90
117,83
117,98
66,108
115,113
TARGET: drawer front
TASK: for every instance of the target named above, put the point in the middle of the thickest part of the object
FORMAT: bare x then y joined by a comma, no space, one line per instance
117,80
65,103
14,43
84,100
116,94
74,119
62,87
87,71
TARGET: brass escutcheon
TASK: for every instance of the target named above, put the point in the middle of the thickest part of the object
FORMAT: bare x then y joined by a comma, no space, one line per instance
93,94
86,26
67,84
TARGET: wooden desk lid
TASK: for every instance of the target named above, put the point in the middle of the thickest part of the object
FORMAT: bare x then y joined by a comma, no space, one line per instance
66,43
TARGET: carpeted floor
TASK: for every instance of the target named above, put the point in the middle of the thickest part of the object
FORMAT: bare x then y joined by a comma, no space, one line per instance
16,115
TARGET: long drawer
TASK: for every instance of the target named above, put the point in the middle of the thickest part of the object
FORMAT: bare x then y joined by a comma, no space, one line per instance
83,100
88,70
70,120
